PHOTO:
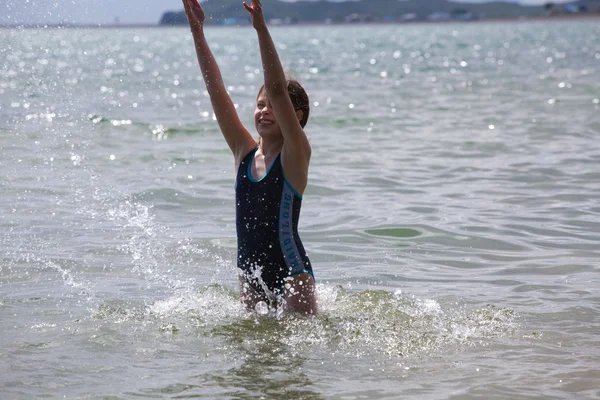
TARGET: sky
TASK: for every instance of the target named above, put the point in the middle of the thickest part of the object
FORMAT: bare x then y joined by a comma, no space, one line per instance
105,11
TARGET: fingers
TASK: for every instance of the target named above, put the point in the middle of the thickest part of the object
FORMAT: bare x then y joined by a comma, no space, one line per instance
255,6
193,4
188,8
188,13
188,5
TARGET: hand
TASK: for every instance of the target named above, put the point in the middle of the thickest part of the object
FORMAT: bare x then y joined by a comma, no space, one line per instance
194,12
255,10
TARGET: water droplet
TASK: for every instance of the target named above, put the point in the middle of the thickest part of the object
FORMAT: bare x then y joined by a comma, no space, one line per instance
261,308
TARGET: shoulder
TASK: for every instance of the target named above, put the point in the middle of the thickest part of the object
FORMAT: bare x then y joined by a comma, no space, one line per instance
244,154
294,162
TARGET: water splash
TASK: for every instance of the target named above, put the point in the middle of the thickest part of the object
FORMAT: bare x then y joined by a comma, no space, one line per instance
368,323
69,279
379,322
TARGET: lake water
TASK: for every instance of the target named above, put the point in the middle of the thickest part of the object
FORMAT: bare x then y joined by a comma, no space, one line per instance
452,215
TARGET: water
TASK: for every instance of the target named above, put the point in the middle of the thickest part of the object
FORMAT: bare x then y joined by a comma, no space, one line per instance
451,216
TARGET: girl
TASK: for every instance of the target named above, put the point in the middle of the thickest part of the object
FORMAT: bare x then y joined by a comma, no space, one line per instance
271,174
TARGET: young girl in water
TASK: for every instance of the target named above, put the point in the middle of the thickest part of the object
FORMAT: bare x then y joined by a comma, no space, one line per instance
271,174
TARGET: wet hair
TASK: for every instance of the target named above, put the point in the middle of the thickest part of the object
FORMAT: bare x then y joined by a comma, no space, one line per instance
299,99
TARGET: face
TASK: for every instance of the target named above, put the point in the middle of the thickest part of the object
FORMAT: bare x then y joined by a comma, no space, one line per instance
264,119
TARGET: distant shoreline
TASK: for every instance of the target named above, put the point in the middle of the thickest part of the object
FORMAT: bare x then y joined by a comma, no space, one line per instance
309,23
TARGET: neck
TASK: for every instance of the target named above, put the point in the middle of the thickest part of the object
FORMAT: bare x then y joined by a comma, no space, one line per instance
271,146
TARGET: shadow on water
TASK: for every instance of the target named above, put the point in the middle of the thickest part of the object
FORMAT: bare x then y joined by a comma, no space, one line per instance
268,367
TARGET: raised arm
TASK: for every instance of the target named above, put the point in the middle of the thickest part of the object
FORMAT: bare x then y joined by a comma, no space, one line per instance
296,148
237,136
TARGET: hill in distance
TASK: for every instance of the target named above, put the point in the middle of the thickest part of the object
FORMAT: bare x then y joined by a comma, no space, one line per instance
218,11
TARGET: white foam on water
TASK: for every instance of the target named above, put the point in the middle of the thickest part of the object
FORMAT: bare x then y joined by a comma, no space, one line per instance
212,304
358,324
379,323
43,327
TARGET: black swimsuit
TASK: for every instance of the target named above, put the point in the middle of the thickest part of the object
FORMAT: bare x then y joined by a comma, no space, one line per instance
267,213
